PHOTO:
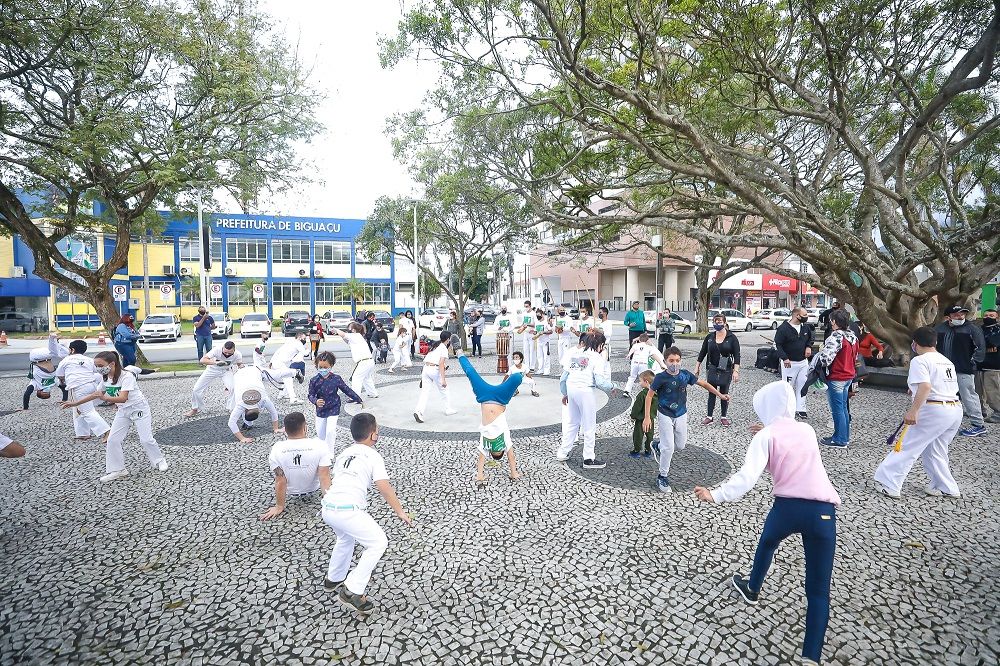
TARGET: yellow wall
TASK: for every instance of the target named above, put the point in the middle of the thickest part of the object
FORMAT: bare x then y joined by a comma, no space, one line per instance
159,256
6,255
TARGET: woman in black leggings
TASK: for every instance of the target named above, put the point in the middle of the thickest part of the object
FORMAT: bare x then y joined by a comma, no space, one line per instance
722,349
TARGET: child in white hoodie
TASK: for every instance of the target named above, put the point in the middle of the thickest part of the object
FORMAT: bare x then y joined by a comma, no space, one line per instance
805,503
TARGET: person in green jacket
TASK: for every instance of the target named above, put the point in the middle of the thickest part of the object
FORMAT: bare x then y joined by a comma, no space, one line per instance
641,441
635,320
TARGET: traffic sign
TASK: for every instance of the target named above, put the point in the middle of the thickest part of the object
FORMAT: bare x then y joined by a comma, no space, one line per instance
258,292
119,291
166,292
216,289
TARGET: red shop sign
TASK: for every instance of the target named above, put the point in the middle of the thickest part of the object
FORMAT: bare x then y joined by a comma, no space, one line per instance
780,282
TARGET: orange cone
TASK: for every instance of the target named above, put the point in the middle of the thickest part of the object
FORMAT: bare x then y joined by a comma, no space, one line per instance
3,338
102,339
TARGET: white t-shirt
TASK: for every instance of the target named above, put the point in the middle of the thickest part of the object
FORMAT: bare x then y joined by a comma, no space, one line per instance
126,382
435,355
582,364
402,340
606,327
518,369
216,354
935,368
78,371
584,324
406,324
646,355
300,460
505,322
358,345
354,471
290,352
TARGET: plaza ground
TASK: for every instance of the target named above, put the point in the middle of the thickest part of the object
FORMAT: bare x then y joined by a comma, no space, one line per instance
568,566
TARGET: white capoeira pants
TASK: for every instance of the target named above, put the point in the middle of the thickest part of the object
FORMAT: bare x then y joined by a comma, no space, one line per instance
326,429
363,378
431,378
673,437
633,374
607,360
543,361
582,416
86,421
207,377
401,358
124,418
928,439
354,525
282,373
796,376
528,349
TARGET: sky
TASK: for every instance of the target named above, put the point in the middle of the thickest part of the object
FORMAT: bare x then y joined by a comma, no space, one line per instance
353,157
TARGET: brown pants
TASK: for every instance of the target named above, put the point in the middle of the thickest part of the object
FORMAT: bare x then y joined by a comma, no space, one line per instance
988,388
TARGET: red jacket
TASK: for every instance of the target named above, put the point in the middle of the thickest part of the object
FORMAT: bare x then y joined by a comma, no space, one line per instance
866,344
844,366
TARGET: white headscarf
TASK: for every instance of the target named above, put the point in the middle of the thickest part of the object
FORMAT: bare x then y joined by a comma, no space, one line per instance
39,354
774,401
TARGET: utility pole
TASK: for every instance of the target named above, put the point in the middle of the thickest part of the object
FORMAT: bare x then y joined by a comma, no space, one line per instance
145,272
416,265
202,295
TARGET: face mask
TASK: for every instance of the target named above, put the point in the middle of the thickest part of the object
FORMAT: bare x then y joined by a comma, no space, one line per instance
673,368
989,321
718,327
225,355
106,370
323,372
957,322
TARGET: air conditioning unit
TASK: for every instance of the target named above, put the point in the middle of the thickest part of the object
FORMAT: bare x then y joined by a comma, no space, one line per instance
168,270
302,272
185,271
230,271
317,273
17,271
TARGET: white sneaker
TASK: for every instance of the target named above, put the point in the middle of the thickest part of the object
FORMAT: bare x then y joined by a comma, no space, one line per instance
114,476
561,458
295,401
449,412
882,490
163,465
934,492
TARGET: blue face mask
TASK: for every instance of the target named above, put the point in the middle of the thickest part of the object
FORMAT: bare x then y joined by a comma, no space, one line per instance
323,372
718,327
673,368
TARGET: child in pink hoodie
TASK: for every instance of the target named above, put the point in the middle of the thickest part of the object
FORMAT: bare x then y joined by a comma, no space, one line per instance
804,503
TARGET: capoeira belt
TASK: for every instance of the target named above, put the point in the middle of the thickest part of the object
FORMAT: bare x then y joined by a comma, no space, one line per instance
340,507
942,402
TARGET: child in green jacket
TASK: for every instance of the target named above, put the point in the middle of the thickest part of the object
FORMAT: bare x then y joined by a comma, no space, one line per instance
641,441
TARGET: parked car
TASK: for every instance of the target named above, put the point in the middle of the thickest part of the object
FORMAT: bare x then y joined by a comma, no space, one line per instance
255,324
489,312
295,321
571,310
386,319
813,315
737,320
160,327
223,326
336,319
681,325
433,318
770,318
23,322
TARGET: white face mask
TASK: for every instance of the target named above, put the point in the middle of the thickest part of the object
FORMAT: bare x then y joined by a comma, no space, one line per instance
105,370
958,322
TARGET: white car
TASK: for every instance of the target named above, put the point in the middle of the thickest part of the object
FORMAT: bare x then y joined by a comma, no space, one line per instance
770,318
160,327
681,325
813,315
223,325
255,324
433,318
736,320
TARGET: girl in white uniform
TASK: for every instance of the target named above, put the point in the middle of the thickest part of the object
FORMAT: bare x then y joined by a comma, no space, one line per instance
221,363
583,372
363,377
120,387
77,373
644,357
401,349
930,424
433,376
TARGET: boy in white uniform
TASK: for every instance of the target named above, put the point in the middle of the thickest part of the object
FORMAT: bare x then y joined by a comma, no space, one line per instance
221,363
250,396
356,469
42,370
517,367
363,377
584,371
288,365
543,334
81,379
527,334
644,357
433,376
300,465
930,424
401,349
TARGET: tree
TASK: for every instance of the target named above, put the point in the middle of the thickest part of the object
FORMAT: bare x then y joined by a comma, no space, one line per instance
861,134
191,287
246,291
133,104
354,289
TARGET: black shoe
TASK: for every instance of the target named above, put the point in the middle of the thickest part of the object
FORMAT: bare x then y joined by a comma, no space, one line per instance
332,585
802,415
301,376
418,417
355,601
594,464
742,586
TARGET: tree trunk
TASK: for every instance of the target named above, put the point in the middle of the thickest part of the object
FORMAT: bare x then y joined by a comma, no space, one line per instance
104,303
704,299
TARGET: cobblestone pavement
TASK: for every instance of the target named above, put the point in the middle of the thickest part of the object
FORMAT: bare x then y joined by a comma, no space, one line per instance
557,569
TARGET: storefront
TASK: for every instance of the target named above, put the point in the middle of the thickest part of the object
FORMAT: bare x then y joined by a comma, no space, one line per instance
749,292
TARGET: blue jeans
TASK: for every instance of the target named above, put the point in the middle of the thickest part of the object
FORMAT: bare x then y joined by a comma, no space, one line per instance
817,523
127,350
204,343
836,395
484,391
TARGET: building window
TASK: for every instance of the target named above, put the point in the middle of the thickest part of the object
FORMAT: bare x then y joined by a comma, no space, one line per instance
153,240
290,252
246,250
377,294
290,293
154,282
379,257
189,249
239,294
332,252
331,294
190,296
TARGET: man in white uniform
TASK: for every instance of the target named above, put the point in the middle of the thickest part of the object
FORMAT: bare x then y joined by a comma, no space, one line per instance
221,363
284,362
250,397
524,328
793,343
563,333
543,333
300,465
363,377
77,372
433,376
604,323
929,426
356,469
644,357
